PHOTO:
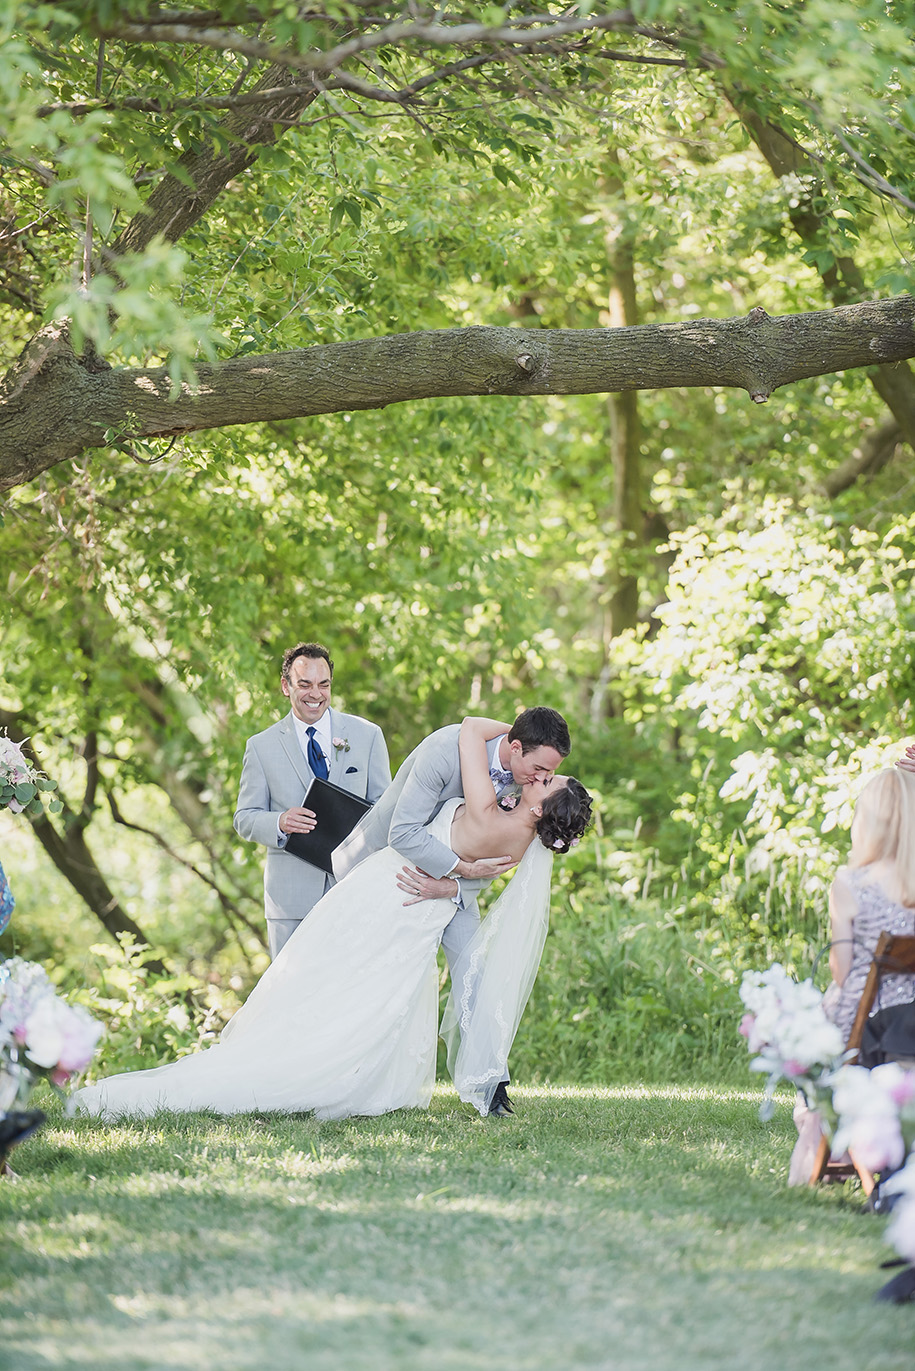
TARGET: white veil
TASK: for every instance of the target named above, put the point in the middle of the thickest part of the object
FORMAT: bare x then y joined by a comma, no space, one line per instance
493,977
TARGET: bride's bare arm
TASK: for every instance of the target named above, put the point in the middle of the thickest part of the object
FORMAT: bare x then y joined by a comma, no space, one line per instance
479,796
479,799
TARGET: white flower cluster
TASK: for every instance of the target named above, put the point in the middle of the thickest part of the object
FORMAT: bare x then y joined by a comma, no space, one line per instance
786,1025
876,1112
873,1108
901,1231
15,772
40,1030
22,784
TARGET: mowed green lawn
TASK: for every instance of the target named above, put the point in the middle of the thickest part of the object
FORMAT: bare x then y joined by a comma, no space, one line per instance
618,1227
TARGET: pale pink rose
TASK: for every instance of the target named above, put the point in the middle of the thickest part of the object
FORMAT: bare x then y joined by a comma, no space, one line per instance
81,1035
44,1033
874,1139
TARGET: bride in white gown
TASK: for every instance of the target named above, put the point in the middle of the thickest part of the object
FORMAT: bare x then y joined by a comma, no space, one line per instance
345,1020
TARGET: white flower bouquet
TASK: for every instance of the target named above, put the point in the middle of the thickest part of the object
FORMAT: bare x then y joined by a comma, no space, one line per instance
870,1113
40,1034
22,786
786,1025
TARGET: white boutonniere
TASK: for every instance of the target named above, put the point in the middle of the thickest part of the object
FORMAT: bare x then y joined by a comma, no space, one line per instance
341,745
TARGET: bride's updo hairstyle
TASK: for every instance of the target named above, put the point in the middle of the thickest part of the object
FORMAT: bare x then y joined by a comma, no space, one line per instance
566,815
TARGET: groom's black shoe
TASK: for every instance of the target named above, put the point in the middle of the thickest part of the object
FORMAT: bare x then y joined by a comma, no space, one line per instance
501,1104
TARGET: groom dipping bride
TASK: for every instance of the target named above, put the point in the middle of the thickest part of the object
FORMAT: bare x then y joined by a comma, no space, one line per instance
345,1020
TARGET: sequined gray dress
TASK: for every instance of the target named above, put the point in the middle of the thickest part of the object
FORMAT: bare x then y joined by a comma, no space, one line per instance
876,913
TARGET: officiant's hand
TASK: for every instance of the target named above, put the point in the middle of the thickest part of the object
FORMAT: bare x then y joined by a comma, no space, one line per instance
298,820
419,885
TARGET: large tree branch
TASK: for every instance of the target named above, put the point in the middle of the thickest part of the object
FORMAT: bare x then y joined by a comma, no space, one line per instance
53,407
526,33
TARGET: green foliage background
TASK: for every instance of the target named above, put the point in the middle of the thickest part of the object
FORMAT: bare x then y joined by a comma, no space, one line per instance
460,555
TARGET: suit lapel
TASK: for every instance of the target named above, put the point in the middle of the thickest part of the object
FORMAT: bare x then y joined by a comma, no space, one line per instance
339,759
290,743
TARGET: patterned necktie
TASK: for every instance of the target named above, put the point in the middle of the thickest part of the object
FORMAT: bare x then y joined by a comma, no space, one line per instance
501,778
315,756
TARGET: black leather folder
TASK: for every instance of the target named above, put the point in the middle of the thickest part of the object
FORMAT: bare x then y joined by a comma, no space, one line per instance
338,812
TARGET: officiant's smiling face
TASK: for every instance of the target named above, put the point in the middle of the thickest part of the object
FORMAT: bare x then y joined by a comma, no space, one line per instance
308,688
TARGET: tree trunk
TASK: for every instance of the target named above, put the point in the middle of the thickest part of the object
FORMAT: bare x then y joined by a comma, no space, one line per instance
175,206
625,427
53,407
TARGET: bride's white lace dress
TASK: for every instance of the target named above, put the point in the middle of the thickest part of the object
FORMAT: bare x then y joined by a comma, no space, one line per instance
345,1020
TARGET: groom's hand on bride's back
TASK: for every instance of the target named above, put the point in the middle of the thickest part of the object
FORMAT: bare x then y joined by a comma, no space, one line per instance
419,885
486,869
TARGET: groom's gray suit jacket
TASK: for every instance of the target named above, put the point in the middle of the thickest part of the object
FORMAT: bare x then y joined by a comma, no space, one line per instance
275,776
429,776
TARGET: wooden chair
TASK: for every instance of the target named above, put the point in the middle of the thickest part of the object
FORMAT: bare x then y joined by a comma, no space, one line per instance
894,955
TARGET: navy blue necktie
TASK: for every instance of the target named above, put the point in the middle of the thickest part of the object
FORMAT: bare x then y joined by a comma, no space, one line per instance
315,756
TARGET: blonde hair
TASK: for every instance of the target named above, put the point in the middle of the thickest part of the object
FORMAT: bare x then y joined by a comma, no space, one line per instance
883,828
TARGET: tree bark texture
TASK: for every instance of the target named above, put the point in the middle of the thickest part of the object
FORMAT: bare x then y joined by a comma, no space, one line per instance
625,426
55,406
176,206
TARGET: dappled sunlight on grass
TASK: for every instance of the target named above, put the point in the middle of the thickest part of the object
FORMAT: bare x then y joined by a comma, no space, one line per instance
422,1240
609,1093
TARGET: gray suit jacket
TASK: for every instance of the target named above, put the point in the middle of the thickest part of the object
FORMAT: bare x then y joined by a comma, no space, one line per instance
275,776
429,776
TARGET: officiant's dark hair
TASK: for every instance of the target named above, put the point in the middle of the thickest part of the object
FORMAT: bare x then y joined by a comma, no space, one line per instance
541,727
305,650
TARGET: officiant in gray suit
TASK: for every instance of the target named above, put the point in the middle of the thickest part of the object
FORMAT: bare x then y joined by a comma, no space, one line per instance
312,740
534,748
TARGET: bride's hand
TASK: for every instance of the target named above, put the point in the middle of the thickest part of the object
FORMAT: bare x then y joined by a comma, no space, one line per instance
485,868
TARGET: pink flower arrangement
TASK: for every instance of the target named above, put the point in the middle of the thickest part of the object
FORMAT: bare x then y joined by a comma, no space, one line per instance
40,1034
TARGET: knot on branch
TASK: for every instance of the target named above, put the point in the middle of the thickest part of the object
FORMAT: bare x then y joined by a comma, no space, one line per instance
525,362
757,315
50,344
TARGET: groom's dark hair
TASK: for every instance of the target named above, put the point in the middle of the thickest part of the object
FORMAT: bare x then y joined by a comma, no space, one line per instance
541,727
313,650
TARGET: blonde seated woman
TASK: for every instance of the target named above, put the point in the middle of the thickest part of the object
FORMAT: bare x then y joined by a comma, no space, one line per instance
874,893
345,1020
